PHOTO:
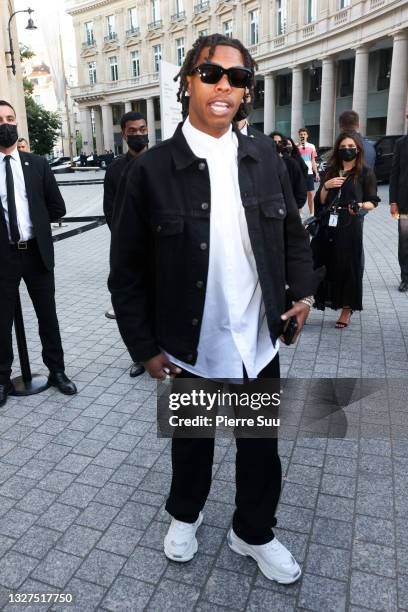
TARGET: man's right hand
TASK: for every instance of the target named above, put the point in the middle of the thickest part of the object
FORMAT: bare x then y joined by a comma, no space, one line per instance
155,366
394,210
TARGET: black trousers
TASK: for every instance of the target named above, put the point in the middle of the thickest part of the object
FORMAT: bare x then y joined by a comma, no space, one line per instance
28,265
258,477
403,248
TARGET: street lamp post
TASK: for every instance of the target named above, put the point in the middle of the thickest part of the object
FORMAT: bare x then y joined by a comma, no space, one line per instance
30,26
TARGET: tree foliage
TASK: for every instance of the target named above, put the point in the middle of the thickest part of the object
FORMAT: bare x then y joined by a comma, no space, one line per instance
25,52
43,127
27,86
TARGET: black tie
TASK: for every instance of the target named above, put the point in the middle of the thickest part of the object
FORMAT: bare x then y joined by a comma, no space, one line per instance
11,202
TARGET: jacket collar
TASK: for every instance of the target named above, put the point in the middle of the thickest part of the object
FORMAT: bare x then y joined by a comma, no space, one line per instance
183,156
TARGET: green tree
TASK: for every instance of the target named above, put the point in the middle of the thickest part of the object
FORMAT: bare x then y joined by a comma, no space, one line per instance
43,127
78,141
27,86
25,52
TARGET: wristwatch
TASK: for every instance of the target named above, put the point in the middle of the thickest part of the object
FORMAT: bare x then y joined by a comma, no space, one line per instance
309,300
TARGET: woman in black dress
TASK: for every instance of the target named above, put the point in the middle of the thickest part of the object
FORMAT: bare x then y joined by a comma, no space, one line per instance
347,193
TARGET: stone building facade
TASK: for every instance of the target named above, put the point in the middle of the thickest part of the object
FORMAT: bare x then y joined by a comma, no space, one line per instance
316,58
11,85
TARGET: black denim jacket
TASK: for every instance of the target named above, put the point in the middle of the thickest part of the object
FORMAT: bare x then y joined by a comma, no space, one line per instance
160,243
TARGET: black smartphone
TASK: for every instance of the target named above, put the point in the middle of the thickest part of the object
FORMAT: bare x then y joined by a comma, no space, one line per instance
290,331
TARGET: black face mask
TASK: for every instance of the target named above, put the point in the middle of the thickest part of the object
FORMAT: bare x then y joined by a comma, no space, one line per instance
348,154
280,147
137,142
244,110
8,135
289,150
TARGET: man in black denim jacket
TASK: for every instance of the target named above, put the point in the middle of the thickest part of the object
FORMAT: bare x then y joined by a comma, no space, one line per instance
160,281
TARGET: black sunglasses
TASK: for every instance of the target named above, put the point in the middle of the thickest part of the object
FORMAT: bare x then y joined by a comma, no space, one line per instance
212,73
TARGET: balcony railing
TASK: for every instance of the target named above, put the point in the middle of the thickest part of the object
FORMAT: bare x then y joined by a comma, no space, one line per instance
308,31
201,7
341,17
154,25
178,16
279,41
88,43
133,32
110,37
376,3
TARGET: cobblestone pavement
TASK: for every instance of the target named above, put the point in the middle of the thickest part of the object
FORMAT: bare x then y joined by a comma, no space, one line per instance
83,479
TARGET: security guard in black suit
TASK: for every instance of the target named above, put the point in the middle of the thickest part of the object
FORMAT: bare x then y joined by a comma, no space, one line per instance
134,132
29,201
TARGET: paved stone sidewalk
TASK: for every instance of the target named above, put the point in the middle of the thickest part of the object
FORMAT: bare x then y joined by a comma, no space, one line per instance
83,480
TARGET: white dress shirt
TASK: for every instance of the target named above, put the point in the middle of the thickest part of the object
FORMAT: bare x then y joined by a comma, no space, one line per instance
234,329
25,225
244,129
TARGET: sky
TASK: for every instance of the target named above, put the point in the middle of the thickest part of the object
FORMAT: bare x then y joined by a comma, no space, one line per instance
45,17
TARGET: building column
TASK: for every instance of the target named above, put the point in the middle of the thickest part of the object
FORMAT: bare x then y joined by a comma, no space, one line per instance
397,97
327,103
86,129
360,88
150,121
269,103
297,102
128,109
107,127
98,130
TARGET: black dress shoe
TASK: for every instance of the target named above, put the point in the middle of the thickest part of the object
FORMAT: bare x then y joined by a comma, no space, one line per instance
403,286
62,382
5,389
136,370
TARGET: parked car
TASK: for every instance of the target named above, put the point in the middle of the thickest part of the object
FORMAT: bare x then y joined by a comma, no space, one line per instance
384,148
63,168
104,160
57,161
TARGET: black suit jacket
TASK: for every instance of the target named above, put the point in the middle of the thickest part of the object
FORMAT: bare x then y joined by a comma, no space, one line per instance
111,183
45,204
399,177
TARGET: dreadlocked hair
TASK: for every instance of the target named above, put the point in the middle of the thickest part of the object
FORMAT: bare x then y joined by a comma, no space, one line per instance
212,41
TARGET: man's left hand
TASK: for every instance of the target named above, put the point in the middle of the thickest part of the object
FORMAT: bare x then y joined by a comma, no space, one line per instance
301,312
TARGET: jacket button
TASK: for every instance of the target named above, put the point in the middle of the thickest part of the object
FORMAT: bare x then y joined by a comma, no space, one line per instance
203,246
204,205
158,228
281,211
194,322
201,166
189,358
199,284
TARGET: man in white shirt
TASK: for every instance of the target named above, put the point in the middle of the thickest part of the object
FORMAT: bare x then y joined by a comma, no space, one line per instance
29,201
198,266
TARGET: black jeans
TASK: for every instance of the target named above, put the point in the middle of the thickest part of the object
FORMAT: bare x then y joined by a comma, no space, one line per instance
28,265
258,478
403,248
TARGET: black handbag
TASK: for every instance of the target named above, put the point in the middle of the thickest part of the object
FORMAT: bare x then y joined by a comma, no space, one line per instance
312,225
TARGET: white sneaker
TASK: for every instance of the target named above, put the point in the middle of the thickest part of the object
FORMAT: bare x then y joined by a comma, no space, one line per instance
180,543
273,559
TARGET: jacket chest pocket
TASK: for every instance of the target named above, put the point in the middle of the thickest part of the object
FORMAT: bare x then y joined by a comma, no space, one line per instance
168,226
273,207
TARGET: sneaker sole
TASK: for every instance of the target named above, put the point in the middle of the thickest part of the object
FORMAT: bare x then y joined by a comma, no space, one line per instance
190,554
246,552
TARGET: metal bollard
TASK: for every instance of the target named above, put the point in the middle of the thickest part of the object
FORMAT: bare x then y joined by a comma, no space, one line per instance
27,383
